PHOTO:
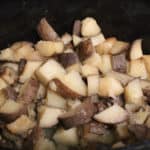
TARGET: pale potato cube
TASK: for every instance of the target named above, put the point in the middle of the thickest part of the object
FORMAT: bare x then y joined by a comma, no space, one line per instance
90,27
76,40
98,39
49,48
133,92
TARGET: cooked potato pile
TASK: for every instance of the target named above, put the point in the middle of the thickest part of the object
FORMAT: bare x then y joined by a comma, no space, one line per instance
65,92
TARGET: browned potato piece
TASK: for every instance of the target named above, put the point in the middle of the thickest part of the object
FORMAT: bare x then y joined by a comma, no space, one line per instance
70,85
93,84
66,137
29,90
110,115
80,115
133,92
49,48
21,125
136,50
21,66
137,69
85,49
118,47
106,46
49,70
77,27
11,110
89,27
29,69
46,31
119,62
55,100
68,59
9,93
110,87
48,116
41,92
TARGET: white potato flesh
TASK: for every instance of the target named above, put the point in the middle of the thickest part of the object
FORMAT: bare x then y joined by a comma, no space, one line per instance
66,38
146,59
88,70
49,70
66,137
112,115
76,40
90,27
49,48
137,68
93,84
136,49
105,65
98,39
29,69
133,92
55,100
48,116
3,84
110,87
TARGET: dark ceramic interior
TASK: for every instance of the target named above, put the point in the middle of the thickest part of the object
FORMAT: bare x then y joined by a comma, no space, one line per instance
125,19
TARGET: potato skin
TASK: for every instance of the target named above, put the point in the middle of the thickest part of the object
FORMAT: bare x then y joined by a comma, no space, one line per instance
77,27
85,49
68,59
80,115
45,31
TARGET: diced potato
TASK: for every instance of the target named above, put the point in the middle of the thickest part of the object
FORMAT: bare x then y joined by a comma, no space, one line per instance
122,130
49,48
112,115
55,100
136,50
41,92
70,85
74,67
88,70
139,117
98,39
7,54
90,27
29,69
110,87
44,144
137,69
48,116
133,92
21,125
66,38
106,46
66,137
72,104
118,47
105,65
3,84
93,84
49,70
94,60
146,59
76,40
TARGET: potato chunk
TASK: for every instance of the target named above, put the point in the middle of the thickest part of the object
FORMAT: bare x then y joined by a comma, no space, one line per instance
49,48
110,87
90,27
112,115
133,92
